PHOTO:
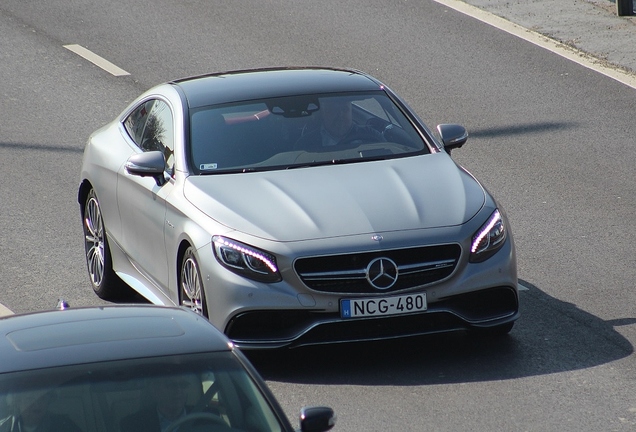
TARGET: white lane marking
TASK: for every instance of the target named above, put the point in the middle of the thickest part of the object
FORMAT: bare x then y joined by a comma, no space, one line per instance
5,311
96,60
545,42
522,287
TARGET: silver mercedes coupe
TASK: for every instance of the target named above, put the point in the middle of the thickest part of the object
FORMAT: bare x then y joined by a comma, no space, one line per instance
295,206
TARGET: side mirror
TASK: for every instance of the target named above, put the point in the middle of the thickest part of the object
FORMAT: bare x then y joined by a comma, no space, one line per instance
317,419
148,164
453,136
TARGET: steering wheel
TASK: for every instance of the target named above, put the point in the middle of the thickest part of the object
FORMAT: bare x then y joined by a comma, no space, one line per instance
205,416
397,135
388,131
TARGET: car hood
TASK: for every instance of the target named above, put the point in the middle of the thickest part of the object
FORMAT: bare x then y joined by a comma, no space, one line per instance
426,191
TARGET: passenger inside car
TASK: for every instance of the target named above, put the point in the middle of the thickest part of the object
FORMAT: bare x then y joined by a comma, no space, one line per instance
30,413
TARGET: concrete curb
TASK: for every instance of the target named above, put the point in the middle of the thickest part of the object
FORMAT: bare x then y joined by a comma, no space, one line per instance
522,29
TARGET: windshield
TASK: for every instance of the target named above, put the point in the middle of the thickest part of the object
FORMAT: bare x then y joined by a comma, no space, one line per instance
203,392
294,131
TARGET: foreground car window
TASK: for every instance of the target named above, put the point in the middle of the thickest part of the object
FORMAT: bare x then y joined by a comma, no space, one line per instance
289,132
185,393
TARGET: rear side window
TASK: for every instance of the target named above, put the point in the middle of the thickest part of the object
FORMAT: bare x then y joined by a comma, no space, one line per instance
151,127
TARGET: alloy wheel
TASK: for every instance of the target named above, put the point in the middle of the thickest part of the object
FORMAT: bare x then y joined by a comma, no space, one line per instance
191,287
94,240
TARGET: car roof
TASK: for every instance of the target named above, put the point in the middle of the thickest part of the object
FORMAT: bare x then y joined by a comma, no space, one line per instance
108,333
251,84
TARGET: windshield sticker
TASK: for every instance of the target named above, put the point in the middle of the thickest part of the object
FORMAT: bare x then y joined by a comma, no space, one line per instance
208,167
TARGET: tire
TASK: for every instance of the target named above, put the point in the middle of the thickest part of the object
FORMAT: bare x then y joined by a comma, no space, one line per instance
191,293
106,284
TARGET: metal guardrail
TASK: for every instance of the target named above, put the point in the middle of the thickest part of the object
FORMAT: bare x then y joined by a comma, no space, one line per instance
624,7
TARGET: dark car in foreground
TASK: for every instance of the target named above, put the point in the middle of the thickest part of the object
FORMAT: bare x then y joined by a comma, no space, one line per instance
295,206
132,368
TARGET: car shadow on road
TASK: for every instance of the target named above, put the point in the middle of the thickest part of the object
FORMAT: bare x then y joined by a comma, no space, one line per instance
522,129
41,147
551,336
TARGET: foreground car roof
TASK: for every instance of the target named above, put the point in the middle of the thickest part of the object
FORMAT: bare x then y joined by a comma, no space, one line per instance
84,335
265,83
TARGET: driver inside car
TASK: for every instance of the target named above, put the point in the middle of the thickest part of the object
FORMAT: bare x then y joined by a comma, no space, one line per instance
169,396
168,410
337,128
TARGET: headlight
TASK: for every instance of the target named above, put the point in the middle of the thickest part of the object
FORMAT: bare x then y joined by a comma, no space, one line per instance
246,260
488,239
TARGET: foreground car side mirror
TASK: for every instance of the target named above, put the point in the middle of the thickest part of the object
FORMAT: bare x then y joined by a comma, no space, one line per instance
317,419
453,136
148,164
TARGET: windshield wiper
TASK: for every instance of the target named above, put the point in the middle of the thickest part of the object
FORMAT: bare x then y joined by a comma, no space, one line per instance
321,163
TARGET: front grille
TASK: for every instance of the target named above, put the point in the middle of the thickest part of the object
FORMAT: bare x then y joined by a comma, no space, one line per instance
347,274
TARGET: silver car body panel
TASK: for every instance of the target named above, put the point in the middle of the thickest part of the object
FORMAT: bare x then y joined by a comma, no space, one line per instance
333,201
371,206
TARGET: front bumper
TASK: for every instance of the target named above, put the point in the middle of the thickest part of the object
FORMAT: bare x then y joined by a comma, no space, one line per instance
299,311
294,328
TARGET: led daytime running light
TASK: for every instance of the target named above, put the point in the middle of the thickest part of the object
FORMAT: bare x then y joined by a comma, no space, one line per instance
251,252
494,219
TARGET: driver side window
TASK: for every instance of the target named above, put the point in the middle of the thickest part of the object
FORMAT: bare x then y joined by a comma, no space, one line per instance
151,127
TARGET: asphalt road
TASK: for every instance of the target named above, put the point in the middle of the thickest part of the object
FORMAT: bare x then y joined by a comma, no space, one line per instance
553,140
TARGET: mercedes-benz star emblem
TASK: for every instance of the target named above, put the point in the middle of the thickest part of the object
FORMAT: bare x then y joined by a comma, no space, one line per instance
382,273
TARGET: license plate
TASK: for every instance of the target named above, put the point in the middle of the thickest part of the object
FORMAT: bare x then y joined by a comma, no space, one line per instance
382,306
